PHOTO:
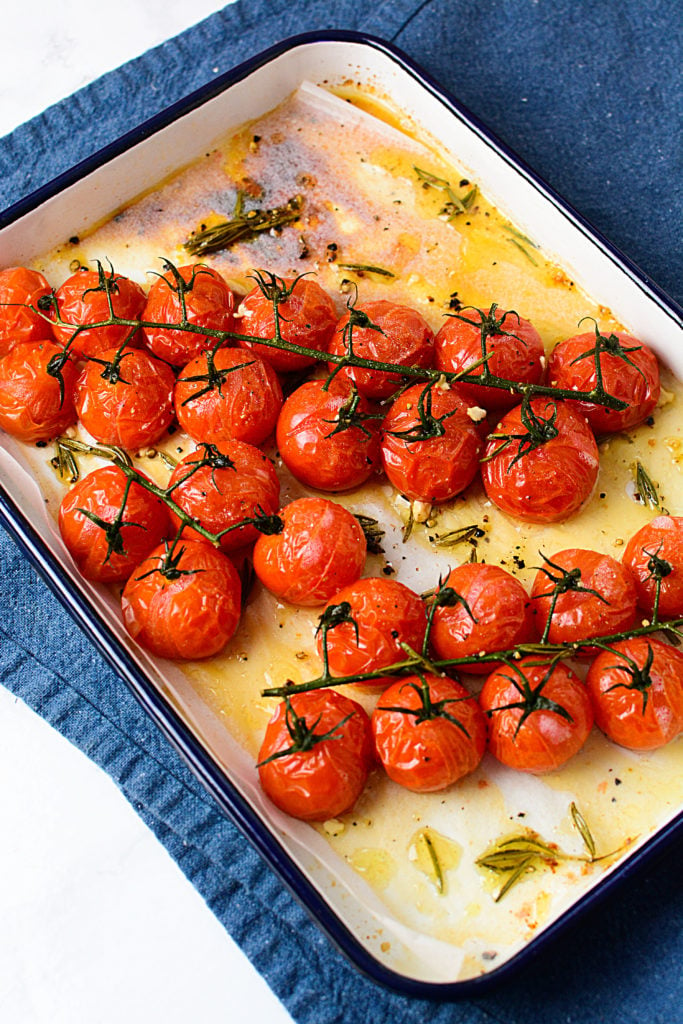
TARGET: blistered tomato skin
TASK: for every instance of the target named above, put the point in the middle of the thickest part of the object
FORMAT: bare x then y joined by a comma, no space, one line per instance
548,483
32,405
82,300
315,445
404,338
660,541
188,615
498,615
101,493
202,298
325,781
321,549
632,377
637,693
429,755
517,354
233,396
21,288
547,738
128,401
308,318
440,467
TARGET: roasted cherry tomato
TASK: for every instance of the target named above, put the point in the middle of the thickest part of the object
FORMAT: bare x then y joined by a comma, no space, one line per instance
538,715
513,346
220,487
325,436
320,549
230,395
364,625
307,317
655,557
629,370
34,405
637,693
480,609
429,732
316,755
125,398
585,594
430,446
21,288
541,463
183,603
386,332
84,299
194,295
107,538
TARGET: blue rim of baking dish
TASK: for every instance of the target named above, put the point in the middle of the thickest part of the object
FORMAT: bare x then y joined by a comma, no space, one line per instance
231,802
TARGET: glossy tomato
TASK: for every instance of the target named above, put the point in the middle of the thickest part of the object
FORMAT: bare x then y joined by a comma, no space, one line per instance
512,345
106,537
655,557
539,715
307,317
428,732
316,755
485,609
192,295
125,398
21,289
231,395
430,446
90,297
637,693
183,603
320,549
386,332
221,487
629,370
364,625
541,464
35,405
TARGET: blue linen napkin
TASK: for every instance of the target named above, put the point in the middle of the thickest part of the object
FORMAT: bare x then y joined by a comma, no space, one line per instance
589,95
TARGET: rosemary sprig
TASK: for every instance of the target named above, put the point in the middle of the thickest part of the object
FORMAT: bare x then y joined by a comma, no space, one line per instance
366,268
649,495
243,227
455,204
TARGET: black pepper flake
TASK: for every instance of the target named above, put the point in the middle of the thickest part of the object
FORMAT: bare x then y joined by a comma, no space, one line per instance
650,421
463,182
74,239
41,444
617,782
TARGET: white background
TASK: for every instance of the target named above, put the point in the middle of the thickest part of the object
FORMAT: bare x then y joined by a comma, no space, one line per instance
97,923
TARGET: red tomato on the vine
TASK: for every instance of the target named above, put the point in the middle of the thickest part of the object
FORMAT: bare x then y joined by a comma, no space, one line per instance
655,557
35,405
84,299
195,295
21,288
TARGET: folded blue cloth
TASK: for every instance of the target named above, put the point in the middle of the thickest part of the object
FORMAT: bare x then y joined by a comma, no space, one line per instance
589,95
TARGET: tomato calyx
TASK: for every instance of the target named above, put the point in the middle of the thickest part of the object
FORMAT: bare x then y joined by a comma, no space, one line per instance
55,366
429,709
169,565
611,345
539,431
429,426
443,597
274,288
333,616
112,530
566,580
214,378
372,531
349,414
531,697
641,680
304,737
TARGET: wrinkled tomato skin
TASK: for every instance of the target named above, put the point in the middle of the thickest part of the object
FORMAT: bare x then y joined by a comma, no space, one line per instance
31,405
501,617
518,356
244,408
188,618
439,468
578,615
637,385
550,483
209,303
19,289
327,780
308,318
221,497
663,537
619,711
546,740
386,612
133,411
407,340
321,549
101,492
80,302
311,451
428,756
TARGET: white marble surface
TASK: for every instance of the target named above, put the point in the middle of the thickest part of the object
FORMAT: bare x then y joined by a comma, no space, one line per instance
99,925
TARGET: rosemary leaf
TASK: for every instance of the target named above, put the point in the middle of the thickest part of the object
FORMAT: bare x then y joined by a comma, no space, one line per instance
522,249
366,268
649,494
584,831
